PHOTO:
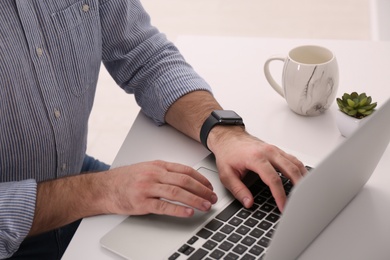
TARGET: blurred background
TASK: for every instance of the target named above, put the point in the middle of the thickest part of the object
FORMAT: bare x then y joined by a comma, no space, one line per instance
114,111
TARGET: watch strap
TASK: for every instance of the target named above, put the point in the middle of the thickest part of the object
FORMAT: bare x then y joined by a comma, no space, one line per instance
210,122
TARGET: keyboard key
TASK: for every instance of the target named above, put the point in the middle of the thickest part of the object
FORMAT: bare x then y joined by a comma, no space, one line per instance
209,245
227,229
270,233
259,200
256,250
267,207
229,211
240,249
259,215
186,249
199,254
225,245
242,230
264,242
204,233
251,222
248,241
243,214
248,257
272,218
192,240
174,256
235,221
217,254
265,225
218,237
271,201
266,193
231,256
214,225
256,233
234,238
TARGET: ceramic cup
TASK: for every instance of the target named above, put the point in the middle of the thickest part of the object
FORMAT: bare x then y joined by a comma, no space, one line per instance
310,79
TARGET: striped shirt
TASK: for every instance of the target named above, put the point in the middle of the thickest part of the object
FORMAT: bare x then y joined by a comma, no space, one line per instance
50,55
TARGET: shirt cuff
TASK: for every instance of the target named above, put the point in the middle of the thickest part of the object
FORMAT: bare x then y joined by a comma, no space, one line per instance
17,203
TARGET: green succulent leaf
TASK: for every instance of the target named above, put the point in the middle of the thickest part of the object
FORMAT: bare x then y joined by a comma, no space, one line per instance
352,112
363,101
356,105
351,103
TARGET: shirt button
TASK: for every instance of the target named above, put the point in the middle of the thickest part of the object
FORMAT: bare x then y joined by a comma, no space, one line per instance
57,113
85,8
63,167
39,51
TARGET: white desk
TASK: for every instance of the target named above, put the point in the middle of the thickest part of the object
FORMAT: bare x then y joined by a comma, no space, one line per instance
233,66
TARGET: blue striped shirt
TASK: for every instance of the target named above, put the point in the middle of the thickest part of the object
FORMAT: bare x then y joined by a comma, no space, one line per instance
50,55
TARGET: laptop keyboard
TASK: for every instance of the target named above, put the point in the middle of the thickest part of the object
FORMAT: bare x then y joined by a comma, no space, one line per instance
237,232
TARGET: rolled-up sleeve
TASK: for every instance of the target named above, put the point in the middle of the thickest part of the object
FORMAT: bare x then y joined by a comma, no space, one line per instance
142,61
17,207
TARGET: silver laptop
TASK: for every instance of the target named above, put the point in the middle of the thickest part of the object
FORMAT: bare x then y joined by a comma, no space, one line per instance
261,232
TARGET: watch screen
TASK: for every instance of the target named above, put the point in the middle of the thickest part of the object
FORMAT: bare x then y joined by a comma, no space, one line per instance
225,114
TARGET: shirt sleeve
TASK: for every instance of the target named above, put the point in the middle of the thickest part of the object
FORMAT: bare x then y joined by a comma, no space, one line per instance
17,207
142,61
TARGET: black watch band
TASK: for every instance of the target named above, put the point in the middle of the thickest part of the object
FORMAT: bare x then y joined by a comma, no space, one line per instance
218,117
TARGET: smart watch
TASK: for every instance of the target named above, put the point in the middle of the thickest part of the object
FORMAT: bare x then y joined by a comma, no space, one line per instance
219,117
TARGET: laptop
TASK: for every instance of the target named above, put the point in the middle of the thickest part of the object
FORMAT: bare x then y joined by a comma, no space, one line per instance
260,232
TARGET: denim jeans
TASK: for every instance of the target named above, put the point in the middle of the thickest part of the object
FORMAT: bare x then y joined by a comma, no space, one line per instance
52,245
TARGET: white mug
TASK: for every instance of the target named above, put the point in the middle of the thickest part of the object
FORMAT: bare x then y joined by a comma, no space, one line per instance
310,79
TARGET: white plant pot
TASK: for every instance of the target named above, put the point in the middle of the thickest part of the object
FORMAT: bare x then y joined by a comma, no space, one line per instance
347,124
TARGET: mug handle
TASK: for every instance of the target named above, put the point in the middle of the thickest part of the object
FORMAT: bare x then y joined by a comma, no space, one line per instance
269,77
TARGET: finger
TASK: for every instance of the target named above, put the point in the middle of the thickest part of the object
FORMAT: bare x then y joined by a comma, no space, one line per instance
178,194
180,168
189,184
162,207
238,189
297,162
290,167
276,186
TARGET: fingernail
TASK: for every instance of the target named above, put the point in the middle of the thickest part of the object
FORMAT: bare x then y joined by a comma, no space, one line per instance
214,199
189,211
206,205
246,202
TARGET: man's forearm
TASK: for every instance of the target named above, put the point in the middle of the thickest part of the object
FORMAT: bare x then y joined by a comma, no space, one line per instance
189,112
62,201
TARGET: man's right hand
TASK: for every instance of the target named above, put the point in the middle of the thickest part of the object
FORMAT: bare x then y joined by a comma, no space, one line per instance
156,187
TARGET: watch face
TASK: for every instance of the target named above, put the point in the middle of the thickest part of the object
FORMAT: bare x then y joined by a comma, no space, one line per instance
227,116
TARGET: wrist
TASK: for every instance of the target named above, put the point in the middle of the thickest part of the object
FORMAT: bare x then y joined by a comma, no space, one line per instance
226,118
221,134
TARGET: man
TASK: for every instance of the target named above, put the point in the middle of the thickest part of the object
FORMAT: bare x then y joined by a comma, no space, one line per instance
50,53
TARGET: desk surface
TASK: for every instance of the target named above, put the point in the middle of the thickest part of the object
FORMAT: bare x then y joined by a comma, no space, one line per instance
234,68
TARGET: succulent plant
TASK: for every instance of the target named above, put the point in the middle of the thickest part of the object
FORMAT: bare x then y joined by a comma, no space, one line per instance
356,105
